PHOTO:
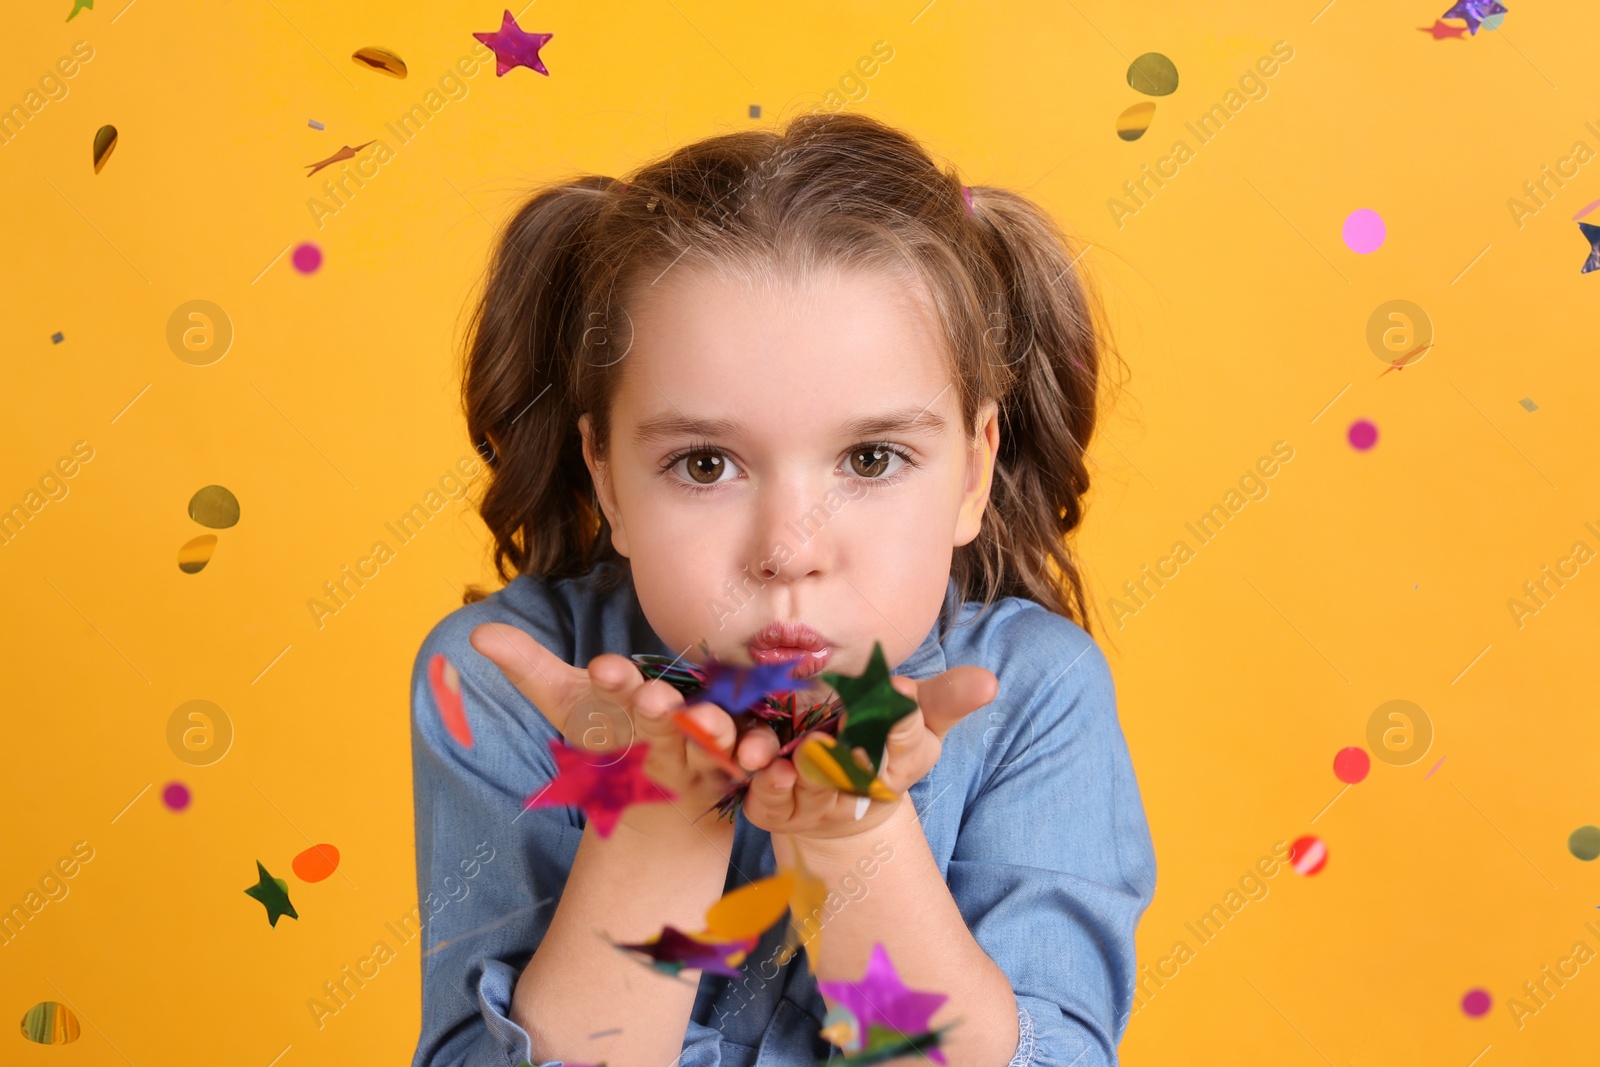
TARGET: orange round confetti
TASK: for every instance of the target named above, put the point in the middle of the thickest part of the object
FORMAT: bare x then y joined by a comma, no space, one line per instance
316,863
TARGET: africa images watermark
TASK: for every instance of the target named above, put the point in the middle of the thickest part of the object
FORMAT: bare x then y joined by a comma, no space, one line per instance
1538,591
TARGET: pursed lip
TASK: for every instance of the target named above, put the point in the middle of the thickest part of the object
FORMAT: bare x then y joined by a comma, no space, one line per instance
785,642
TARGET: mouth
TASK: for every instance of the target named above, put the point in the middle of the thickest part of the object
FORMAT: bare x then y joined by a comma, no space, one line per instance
790,642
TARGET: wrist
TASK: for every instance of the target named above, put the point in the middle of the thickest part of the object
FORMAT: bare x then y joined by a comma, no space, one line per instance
892,820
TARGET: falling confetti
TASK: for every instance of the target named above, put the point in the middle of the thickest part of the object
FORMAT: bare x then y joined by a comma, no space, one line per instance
1363,435
316,863
80,5
1527,403
1475,12
1592,235
105,139
345,152
1350,765
1476,1003
1493,21
1153,75
196,553
1364,231
735,687
381,60
1584,843
514,47
57,337
755,111
445,681
1132,123
307,258
49,1023
214,506
673,950
1443,31
1585,210
273,893
1435,767
314,124
175,796
880,1000
1308,855
603,792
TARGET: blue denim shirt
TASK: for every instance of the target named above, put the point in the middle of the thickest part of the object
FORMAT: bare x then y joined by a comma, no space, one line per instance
1032,813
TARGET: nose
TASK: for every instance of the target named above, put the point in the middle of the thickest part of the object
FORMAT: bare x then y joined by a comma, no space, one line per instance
793,539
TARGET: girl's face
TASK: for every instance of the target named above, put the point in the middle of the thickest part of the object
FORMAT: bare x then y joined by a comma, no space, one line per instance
790,456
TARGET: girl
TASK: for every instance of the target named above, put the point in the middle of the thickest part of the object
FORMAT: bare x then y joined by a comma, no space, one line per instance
780,397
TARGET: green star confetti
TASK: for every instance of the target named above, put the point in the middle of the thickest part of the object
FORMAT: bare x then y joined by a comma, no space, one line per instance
872,706
274,896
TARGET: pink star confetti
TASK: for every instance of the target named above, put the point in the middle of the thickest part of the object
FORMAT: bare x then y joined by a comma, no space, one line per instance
881,999
513,47
602,791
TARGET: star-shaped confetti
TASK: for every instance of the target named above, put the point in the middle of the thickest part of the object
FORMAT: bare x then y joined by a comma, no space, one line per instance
872,706
344,153
1443,30
514,47
735,688
274,896
80,5
880,1000
1475,12
673,950
734,924
601,786
1592,235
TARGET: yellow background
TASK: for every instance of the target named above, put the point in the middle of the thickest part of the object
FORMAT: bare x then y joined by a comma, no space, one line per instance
1238,308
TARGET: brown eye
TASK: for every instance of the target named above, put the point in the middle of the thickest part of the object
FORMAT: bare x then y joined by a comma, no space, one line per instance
870,462
706,467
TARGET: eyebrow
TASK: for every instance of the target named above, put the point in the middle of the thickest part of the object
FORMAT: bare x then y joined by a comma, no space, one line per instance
671,424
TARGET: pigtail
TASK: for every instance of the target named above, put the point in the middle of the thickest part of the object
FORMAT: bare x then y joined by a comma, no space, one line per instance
1043,345
518,395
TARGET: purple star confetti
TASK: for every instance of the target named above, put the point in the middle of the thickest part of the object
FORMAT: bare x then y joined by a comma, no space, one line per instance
514,47
1476,12
881,999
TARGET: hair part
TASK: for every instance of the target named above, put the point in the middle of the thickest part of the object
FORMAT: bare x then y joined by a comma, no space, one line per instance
548,337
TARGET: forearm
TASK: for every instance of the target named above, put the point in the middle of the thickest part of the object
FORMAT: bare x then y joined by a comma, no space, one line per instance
909,908
655,869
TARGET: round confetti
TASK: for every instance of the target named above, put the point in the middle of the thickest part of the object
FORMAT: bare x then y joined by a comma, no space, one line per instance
1350,765
1364,231
1363,435
307,258
1153,75
49,1023
316,863
195,554
1585,843
214,506
1308,855
175,796
1132,123
1476,1003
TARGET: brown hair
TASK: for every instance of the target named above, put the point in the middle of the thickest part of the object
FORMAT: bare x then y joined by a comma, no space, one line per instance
838,190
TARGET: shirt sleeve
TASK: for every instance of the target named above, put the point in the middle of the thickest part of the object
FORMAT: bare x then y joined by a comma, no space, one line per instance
1053,865
489,873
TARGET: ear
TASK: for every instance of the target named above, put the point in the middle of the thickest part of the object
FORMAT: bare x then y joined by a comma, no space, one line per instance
600,474
980,472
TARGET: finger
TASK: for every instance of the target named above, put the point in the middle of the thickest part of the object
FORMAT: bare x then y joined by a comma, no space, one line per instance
549,682
654,704
757,747
911,753
947,698
771,799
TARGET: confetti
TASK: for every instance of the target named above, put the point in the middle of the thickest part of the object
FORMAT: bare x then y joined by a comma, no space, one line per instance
735,687
603,792
873,705
1527,403
307,258
105,139
57,337
196,553
1153,75
1493,21
445,681
49,1023
673,950
273,893
175,796
346,152
1476,1003
1363,231
1584,843
755,111
1132,123
214,506
1435,767
316,863
1443,31
381,60
879,1001
1475,12
1350,765
80,5
1592,235
314,124
1363,434
1308,855
513,47
1585,210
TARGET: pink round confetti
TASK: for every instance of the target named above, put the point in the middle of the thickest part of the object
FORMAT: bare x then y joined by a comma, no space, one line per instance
1350,765
1364,231
1363,435
1308,855
175,796
1476,1003
307,258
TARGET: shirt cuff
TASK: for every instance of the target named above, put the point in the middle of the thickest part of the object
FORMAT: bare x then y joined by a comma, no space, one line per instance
507,1045
1024,1055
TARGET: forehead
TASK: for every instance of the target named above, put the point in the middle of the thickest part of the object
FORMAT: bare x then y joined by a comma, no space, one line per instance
786,353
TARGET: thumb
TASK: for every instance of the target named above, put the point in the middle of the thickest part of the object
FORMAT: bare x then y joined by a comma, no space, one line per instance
549,682
948,698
